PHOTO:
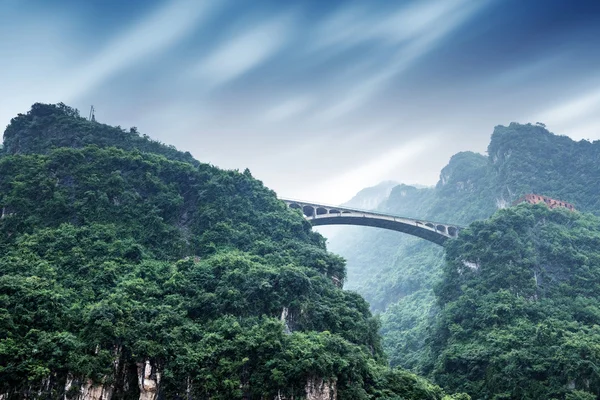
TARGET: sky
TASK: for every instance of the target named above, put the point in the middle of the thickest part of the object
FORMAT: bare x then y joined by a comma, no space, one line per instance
319,99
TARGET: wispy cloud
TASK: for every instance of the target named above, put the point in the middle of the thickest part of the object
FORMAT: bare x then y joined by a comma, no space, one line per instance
355,25
414,31
573,109
244,51
163,27
43,60
577,116
288,108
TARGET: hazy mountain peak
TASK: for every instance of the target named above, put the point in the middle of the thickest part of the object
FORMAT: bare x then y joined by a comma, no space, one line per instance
371,197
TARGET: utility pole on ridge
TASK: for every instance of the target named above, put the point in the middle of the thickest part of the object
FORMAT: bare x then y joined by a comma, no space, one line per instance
92,117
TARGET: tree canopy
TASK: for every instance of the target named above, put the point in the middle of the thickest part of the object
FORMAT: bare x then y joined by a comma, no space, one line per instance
123,259
520,314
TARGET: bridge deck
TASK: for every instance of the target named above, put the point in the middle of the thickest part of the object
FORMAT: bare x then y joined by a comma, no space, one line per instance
321,214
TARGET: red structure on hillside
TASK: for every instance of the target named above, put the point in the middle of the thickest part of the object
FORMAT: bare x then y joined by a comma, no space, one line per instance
536,198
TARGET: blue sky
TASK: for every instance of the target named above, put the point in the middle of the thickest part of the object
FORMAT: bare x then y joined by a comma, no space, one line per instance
318,98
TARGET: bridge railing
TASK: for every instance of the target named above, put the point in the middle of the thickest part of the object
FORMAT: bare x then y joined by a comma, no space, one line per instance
360,210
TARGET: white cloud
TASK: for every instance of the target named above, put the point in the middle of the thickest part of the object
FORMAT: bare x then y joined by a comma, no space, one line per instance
353,26
417,30
577,117
36,67
354,97
288,109
166,25
588,129
339,188
244,51
573,109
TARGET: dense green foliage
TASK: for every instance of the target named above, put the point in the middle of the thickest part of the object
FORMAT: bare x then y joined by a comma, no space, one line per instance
116,251
396,273
520,299
48,126
529,159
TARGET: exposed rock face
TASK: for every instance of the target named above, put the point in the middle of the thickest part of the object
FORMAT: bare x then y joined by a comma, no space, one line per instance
284,319
89,391
502,203
148,381
316,389
319,389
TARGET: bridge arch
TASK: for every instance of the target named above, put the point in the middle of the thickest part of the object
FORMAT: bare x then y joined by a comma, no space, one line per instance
320,214
308,211
321,211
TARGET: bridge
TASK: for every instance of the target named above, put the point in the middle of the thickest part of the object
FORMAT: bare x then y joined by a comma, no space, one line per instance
320,214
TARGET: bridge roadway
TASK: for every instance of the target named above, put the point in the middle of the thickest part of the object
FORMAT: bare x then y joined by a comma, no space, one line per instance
321,214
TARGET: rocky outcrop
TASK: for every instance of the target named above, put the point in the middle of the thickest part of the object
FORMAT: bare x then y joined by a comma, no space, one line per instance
149,378
319,389
316,389
285,318
148,381
90,391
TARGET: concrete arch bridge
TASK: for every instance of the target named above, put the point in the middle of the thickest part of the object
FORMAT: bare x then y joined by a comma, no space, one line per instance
321,214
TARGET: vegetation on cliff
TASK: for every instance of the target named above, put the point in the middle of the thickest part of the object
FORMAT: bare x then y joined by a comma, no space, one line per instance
128,266
520,307
396,273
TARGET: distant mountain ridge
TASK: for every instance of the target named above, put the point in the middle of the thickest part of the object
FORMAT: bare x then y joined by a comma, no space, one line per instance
371,198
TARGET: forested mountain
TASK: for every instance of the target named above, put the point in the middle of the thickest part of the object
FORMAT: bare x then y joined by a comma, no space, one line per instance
397,273
130,270
520,307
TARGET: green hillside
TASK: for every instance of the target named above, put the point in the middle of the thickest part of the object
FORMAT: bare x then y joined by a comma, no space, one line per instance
520,307
128,268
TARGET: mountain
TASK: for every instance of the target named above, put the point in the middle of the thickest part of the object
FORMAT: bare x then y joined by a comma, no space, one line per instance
370,198
396,274
130,270
520,314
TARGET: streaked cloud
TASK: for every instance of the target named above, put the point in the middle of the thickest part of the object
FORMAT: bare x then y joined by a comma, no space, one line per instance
288,108
155,32
359,24
34,53
578,115
244,51
43,61
416,29
573,109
